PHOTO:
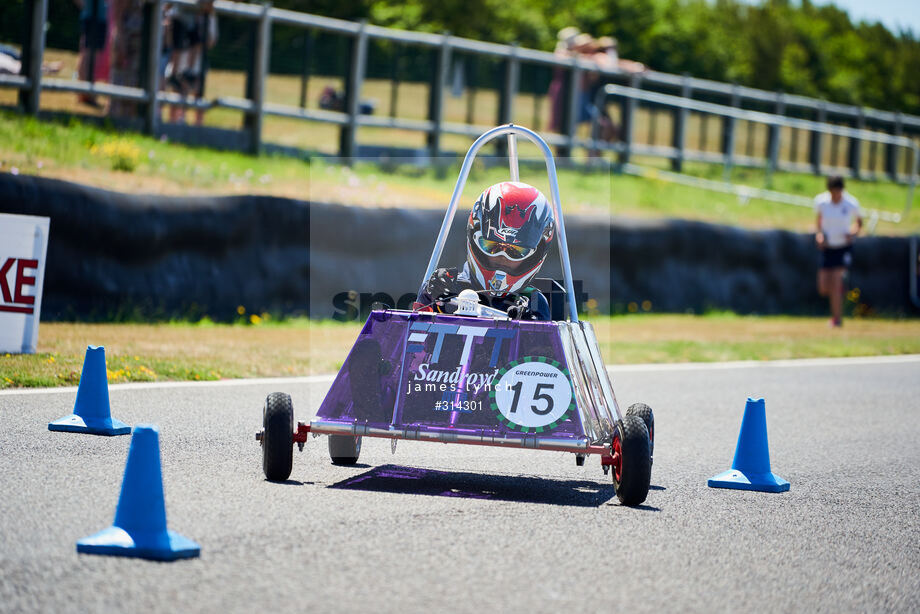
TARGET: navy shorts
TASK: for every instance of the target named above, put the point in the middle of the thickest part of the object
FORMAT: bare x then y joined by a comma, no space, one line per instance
835,257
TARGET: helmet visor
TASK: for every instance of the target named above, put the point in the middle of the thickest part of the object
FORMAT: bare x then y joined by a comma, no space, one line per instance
512,252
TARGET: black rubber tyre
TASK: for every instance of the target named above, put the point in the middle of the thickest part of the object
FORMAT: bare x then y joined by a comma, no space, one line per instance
645,412
632,468
277,437
580,460
344,449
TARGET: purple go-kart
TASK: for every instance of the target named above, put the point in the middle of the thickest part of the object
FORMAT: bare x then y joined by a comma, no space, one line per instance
475,377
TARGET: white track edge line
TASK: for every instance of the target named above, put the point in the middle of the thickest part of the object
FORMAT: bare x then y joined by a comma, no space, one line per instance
753,364
256,381
615,369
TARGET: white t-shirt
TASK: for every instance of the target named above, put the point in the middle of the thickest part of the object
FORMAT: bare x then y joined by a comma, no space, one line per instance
837,218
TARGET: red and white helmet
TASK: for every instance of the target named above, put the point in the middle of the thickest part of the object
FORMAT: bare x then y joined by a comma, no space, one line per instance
508,236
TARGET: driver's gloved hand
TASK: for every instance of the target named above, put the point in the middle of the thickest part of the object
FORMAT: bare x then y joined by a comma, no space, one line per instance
520,309
442,284
534,307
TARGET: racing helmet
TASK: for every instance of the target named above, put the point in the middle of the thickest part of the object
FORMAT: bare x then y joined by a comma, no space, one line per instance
508,236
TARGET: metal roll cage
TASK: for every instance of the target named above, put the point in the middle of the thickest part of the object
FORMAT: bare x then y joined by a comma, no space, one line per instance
512,132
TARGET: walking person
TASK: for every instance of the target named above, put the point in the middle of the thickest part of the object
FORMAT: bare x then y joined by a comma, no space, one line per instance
839,221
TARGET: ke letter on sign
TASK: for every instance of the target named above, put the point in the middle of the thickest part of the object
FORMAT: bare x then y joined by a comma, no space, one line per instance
23,245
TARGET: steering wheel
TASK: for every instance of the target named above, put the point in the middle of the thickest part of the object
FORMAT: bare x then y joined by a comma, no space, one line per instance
467,304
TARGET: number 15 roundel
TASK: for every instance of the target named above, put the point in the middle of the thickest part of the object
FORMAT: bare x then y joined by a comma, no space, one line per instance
532,394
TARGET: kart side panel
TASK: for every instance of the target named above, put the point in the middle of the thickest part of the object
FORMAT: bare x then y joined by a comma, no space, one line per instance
365,388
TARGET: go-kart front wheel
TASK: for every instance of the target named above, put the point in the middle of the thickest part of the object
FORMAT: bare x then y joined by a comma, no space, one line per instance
344,449
277,437
632,463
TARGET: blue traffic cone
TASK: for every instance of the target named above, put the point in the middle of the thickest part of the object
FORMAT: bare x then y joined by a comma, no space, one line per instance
140,529
751,466
91,411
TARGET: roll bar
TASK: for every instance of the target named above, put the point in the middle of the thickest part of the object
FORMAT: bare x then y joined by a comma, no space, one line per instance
512,131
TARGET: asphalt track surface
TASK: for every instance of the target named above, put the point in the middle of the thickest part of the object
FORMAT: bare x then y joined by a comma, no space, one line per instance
464,528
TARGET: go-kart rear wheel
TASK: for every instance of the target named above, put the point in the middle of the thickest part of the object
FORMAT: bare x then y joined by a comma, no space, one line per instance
632,464
344,449
277,437
645,412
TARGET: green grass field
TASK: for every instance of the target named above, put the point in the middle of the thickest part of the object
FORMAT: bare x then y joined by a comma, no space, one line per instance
260,347
82,153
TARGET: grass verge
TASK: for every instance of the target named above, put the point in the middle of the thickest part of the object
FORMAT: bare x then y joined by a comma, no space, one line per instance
208,351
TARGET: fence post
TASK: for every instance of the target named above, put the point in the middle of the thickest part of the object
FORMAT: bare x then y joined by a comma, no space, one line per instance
629,119
815,145
891,150
472,75
855,149
306,63
152,81
773,135
728,135
773,140
679,135
506,100
436,97
256,85
348,136
33,49
395,75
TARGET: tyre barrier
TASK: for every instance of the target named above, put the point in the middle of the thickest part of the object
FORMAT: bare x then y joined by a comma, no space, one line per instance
135,256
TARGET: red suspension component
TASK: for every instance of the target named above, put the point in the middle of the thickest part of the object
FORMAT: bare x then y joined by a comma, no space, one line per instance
300,435
611,457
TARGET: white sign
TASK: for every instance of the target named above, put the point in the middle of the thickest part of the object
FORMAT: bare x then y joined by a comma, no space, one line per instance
23,246
533,394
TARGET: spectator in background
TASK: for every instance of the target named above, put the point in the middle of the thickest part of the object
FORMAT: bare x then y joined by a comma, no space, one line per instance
93,57
564,44
191,35
165,42
603,54
607,56
204,37
587,111
176,39
838,223
127,23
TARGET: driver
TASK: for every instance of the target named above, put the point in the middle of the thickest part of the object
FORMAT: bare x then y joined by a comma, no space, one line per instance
507,238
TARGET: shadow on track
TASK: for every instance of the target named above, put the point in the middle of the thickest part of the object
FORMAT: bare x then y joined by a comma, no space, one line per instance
526,489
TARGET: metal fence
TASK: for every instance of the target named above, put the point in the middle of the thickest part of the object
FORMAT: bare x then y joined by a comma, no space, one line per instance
680,95
730,115
682,106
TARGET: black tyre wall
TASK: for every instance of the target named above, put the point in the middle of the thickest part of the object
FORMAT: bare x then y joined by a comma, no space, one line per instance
143,256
